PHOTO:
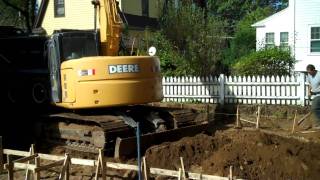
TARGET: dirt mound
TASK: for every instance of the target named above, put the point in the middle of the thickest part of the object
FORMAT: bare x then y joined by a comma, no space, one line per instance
193,150
253,155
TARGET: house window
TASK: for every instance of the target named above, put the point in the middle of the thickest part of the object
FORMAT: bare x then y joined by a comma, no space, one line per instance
269,40
145,7
284,38
59,10
315,39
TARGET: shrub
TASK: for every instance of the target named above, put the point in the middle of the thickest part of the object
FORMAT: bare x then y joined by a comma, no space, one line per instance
265,62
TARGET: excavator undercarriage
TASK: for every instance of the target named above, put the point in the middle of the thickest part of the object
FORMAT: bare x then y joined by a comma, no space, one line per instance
115,129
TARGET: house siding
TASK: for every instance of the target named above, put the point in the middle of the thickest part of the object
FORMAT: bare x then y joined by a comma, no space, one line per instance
79,14
307,15
81,17
281,23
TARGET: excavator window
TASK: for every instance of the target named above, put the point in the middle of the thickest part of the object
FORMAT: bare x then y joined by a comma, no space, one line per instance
76,45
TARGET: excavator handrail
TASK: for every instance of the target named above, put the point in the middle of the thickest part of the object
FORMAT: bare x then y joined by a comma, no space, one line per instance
107,11
115,13
111,10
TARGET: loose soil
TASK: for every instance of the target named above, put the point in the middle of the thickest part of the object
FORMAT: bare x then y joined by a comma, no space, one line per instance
253,155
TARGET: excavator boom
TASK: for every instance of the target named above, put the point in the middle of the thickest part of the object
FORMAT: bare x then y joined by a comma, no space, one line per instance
111,26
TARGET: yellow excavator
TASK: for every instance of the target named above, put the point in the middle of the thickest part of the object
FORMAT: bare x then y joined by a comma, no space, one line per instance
105,91
85,71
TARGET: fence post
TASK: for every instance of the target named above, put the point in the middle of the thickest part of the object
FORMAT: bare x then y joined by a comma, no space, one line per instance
301,89
221,94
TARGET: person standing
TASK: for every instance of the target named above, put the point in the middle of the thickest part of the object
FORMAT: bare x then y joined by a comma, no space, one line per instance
313,79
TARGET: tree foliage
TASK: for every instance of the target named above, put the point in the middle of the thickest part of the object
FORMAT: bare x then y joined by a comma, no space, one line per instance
265,62
233,11
244,41
188,26
170,59
199,39
19,13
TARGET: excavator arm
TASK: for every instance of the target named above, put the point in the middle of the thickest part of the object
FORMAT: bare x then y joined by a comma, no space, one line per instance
110,25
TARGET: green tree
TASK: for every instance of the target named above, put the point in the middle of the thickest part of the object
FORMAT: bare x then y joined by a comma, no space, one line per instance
199,39
244,41
20,13
233,11
265,62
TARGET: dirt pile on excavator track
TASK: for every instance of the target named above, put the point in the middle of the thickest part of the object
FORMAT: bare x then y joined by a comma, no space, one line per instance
253,155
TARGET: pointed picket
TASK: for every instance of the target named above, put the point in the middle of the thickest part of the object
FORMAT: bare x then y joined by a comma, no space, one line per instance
283,89
171,88
239,93
244,90
278,88
210,91
263,89
254,90
183,91
249,90
272,90
294,91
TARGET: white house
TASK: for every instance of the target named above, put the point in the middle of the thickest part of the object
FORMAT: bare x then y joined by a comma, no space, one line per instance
296,27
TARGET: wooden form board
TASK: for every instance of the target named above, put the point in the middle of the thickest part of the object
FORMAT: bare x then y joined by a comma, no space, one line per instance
90,162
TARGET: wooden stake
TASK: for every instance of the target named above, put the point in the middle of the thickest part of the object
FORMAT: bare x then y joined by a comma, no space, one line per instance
65,168
294,122
31,151
238,125
36,173
1,155
184,175
181,105
180,174
9,168
97,170
230,173
258,117
101,166
146,169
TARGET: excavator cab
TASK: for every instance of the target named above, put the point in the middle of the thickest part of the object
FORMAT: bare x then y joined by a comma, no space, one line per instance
64,46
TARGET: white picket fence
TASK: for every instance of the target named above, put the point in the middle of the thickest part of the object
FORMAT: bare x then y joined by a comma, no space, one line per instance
284,90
